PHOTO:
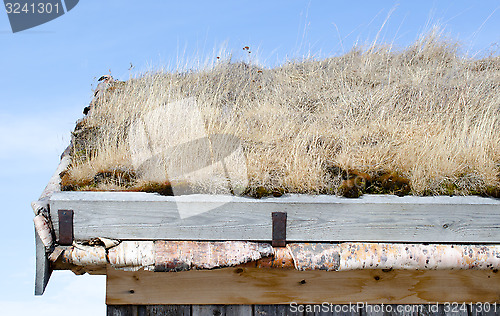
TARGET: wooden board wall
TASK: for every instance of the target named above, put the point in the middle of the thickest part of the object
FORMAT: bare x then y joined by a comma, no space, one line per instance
284,310
276,286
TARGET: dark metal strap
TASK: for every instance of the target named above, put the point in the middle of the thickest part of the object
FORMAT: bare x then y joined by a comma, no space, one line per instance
279,229
65,227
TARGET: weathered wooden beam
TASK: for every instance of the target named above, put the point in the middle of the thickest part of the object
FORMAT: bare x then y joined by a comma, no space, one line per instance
376,218
148,310
355,309
242,285
43,269
222,310
272,310
450,309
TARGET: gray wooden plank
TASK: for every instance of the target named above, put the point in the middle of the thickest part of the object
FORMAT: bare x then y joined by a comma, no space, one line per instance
402,310
446,310
326,309
122,310
43,270
484,309
372,310
165,310
395,309
222,310
275,310
410,309
415,310
136,215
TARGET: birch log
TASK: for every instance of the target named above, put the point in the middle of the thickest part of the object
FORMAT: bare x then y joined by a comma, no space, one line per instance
355,256
187,255
133,255
190,255
42,228
89,256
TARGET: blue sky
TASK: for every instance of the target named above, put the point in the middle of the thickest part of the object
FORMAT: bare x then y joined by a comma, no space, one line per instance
48,73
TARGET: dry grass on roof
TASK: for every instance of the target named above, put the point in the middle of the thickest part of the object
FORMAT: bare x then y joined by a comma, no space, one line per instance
422,120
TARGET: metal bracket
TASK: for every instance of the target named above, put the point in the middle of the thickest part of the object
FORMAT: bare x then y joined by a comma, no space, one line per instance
65,227
279,229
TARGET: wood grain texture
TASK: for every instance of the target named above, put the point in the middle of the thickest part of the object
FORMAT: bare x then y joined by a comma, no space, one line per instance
148,310
274,310
43,269
222,310
136,215
484,310
165,310
285,310
122,310
272,286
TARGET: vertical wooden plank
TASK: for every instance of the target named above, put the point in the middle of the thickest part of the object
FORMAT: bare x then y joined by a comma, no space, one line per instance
122,310
222,310
445,310
275,310
395,309
335,310
484,309
371,310
166,310
43,269
405,309
414,310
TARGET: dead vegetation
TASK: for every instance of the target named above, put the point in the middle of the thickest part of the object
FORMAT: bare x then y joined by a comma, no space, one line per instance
423,120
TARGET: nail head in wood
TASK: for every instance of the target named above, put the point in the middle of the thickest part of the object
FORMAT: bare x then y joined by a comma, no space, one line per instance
65,227
279,229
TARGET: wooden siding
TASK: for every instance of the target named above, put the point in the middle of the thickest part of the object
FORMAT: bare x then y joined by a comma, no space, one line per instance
284,310
248,286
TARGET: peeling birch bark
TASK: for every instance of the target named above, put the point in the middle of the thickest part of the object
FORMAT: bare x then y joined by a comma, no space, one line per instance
354,256
40,207
91,256
315,256
61,259
58,251
133,255
281,259
102,241
43,230
108,243
358,256
186,255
